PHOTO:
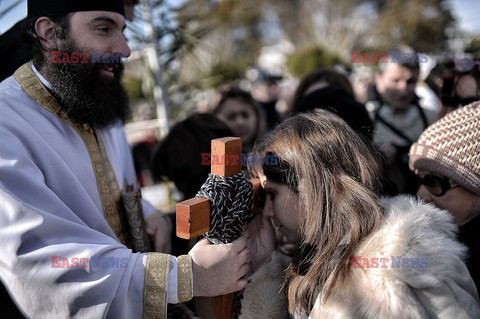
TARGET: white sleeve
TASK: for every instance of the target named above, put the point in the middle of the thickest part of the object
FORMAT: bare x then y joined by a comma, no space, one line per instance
48,238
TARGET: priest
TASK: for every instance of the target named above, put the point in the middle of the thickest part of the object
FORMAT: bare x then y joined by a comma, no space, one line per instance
73,236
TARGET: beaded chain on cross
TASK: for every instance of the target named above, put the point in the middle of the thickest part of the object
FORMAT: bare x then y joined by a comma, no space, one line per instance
231,201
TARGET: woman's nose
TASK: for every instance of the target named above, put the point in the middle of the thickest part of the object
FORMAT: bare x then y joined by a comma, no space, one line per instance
424,194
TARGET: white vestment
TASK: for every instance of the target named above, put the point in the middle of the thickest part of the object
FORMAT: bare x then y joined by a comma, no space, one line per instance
50,206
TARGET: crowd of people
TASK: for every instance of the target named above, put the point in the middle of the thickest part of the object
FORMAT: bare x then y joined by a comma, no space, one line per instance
371,211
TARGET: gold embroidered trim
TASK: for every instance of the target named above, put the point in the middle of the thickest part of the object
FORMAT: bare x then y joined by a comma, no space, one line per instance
156,286
116,195
37,91
185,289
112,179
108,202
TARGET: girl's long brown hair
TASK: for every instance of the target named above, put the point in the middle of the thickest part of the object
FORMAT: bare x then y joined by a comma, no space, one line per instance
336,174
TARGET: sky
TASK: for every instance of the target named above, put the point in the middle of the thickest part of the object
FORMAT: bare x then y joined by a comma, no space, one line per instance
466,12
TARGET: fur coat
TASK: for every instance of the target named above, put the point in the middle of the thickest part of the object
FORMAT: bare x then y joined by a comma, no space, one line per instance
264,297
422,273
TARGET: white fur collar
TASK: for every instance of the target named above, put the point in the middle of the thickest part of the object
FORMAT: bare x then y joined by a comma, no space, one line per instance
409,229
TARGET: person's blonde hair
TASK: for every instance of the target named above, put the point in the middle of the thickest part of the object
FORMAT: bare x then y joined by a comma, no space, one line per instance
336,175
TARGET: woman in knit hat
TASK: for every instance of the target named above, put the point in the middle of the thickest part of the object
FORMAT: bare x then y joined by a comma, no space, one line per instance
446,159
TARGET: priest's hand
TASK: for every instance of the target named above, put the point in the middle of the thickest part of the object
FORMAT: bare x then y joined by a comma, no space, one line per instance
219,269
159,228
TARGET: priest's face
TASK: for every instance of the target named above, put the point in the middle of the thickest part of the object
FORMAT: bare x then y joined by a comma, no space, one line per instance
91,92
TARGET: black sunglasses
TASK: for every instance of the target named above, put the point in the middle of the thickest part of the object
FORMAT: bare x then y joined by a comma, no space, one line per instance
437,185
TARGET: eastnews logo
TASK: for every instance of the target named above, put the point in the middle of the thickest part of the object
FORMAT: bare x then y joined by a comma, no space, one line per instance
93,57
384,262
383,57
245,159
94,262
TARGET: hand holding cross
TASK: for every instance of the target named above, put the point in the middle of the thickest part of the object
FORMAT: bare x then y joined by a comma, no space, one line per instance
193,215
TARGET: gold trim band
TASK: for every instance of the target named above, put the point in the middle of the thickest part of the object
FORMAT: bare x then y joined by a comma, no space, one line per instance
185,289
156,285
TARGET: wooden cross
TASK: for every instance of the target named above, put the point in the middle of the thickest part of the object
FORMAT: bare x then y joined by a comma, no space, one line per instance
193,215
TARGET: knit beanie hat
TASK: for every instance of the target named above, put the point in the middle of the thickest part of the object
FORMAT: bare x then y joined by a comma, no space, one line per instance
450,147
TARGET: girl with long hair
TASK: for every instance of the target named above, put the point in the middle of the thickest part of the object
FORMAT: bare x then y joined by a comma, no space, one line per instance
355,255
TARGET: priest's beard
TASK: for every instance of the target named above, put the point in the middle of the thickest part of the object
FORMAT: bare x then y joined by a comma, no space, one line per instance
84,94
